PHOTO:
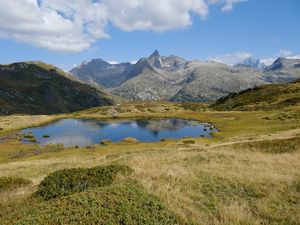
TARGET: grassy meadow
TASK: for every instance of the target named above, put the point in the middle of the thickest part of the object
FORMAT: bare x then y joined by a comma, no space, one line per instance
248,173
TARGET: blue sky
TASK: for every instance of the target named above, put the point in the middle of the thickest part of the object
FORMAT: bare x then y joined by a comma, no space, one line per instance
264,29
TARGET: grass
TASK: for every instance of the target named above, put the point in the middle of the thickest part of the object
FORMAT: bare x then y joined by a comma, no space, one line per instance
265,97
249,173
118,204
272,146
11,183
69,181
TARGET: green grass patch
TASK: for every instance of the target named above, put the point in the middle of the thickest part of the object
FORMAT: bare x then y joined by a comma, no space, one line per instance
271,146
116,204
217,191
10,183
68,181
189,142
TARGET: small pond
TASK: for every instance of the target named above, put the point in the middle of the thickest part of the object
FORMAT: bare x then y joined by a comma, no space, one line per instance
85,132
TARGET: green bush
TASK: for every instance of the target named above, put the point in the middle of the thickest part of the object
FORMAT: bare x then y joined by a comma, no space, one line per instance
28,135
69,181
189,141
115,204
106,142
10,183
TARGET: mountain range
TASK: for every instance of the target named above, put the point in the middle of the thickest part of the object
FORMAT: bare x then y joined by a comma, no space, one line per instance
173,78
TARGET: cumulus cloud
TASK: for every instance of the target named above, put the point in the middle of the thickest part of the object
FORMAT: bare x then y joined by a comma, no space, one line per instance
231,58
67,25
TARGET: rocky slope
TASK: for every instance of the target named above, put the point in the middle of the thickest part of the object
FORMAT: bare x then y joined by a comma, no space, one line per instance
99,72
38,88
173,78
283,70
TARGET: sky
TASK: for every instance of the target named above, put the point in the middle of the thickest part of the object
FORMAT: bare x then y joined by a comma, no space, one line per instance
67,32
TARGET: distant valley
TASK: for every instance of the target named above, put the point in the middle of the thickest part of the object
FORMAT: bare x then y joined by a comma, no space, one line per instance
175,79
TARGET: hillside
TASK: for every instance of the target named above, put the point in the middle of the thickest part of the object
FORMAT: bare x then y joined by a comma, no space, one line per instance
38,88
266,97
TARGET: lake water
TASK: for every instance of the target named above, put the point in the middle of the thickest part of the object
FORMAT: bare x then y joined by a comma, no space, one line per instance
85,132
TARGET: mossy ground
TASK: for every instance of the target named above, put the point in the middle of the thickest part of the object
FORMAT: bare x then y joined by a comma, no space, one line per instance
249,173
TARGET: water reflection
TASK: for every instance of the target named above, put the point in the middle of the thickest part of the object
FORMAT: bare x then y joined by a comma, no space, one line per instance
83,132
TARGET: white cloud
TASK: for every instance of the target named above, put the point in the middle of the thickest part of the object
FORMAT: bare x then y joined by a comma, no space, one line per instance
268,61
228,7
113,62
284,53
294,57
231,58
72,26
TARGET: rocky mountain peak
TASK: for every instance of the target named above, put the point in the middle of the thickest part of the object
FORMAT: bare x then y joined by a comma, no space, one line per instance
155,54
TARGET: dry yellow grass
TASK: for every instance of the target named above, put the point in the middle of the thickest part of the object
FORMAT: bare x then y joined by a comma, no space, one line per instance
206,182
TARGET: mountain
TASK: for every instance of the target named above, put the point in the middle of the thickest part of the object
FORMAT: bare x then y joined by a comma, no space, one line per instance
208,81
100,72
173,78
252,63
283,70
265,97
154,78
38,88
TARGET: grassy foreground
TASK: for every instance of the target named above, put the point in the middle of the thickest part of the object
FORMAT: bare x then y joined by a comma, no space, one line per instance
249,173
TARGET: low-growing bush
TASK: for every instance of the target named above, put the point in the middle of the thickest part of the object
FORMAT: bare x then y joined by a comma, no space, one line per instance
10,183
69,181
28,135
130,140
115,204
106,142
189,141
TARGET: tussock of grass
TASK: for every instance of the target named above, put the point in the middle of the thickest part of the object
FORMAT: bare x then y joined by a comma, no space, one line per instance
68,181
272,146
217,191
130,140
189,141
117,204
10,183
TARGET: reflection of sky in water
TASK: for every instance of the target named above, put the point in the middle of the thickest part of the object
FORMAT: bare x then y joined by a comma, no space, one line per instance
83,132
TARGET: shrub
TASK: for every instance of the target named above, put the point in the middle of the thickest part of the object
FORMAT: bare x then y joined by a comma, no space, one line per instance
105,142
116,204
130,140
69,181
10,183
189,141
28,135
